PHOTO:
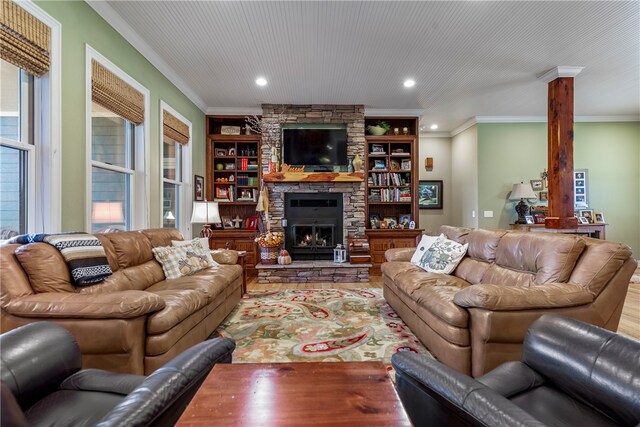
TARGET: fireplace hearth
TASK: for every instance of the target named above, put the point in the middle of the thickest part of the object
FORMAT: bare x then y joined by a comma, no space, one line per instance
314,225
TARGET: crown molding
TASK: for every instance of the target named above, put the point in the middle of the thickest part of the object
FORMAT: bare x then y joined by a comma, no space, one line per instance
394,112
234,111
560,71
112,18
466,125
435,134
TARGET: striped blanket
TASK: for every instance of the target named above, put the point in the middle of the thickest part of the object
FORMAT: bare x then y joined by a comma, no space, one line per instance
83,253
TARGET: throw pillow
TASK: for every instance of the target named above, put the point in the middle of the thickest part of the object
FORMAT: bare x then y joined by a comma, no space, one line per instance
443,256
178,261
203,242
425,243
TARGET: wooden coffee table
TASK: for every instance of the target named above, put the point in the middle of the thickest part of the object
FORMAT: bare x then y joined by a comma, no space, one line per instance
296,394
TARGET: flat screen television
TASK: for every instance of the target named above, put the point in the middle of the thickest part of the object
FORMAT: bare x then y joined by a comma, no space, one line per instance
320,147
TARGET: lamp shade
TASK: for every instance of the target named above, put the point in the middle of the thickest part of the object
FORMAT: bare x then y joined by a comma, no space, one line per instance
522,191
107,213
205,213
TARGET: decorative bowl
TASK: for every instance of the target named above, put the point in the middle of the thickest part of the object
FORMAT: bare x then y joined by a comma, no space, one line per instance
376,130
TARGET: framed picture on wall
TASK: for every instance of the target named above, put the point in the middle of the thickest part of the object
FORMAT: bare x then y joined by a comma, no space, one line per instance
580,188
198,188
430,194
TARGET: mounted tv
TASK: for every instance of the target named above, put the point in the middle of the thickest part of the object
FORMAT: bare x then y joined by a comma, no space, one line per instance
315,148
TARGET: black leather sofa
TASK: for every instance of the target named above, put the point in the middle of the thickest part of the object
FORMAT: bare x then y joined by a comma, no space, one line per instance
43,383
571,374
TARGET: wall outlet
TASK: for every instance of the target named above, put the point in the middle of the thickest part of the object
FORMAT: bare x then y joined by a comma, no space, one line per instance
488,214
473,214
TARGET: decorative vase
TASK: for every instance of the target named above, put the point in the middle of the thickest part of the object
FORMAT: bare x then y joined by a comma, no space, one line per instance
357,163
274,163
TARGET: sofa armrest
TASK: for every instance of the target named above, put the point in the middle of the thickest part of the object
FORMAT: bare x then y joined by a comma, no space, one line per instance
435,394
399,254
118,305
225,256
501,297
164,395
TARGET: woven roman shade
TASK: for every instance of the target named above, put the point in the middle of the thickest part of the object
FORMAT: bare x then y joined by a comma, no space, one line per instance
115,94
175,128
24,40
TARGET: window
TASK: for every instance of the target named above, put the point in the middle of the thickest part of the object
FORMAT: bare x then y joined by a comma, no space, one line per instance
117,186
176,169
17,152
29,121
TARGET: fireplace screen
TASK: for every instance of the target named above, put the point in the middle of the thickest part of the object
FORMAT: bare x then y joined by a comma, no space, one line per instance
313,235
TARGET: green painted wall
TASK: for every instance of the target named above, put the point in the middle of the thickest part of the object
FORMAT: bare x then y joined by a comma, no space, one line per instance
510,153
80,26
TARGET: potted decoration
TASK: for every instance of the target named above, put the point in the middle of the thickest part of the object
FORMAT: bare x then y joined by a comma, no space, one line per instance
380,128
269,244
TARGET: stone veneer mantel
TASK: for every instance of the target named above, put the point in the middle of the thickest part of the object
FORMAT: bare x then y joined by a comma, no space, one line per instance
314,177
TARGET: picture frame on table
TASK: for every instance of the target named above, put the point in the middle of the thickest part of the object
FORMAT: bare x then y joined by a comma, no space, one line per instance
598,218
586,213
227,222
583,220
220,152
430,194
251,223
529,219
198,188
538,219
222,192
374,220
404,220
377,149
391,222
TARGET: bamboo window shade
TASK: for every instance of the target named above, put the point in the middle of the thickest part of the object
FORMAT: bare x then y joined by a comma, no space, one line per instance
115,94
175,128
24,40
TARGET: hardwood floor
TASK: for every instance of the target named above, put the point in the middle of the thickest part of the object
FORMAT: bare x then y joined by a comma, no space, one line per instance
629,322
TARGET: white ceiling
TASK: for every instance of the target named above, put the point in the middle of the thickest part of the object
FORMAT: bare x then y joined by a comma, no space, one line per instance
468,58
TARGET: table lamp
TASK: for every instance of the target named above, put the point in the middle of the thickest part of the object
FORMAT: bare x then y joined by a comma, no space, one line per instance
107,213
520,192
205,213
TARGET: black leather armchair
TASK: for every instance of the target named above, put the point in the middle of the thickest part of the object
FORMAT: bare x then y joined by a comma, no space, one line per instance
571,374
43,383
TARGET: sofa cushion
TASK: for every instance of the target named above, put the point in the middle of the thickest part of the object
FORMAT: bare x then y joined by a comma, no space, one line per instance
179,304
483,244
211,282
598,263
394,268
161,236
46,268
548,257
202,241
434,292
131,248
457,234
425,243
178,261
144,275
471,270
442,256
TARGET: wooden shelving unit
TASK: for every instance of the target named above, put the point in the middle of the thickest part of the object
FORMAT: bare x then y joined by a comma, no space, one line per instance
233,179
391,185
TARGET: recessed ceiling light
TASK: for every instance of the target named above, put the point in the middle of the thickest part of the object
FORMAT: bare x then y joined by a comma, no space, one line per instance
409,83
433,126
261,81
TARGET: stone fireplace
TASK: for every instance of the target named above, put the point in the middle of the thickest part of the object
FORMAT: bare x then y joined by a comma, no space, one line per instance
314,225
350,195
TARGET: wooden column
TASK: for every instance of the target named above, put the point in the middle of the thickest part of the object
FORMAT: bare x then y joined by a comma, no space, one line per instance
560,154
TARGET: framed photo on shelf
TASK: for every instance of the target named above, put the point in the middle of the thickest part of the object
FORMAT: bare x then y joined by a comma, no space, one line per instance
598,218
430,194
377,149
222,192
405,165
586,213
405,220
391,222
251,223
538,219
379,164
374,220
198,188
230,130
583,220
226,222
529,219
220,152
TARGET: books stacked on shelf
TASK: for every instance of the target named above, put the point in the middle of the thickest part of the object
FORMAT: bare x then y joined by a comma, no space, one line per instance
253,165
390,194
244,164
387,179
253,181
243,179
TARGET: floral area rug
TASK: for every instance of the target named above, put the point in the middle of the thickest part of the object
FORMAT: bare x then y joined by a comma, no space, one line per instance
332,325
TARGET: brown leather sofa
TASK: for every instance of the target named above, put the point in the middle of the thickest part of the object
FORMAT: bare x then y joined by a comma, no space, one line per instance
476,318
135,321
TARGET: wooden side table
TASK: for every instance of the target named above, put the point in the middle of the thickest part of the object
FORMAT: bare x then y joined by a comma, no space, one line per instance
242,256
597,231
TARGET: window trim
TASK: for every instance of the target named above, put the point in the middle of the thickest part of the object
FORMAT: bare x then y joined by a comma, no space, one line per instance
45,203
186,165
141,181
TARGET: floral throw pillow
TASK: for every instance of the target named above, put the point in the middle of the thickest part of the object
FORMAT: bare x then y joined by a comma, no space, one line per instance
423,246
178,261
443,256
202,242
